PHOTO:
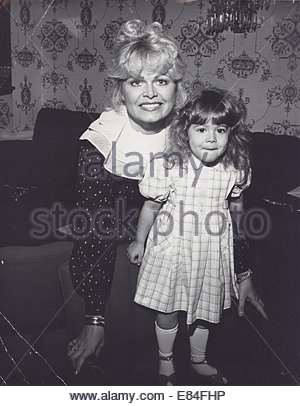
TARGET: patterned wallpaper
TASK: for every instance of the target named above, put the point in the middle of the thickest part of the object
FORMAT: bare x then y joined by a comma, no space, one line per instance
5,114
61,50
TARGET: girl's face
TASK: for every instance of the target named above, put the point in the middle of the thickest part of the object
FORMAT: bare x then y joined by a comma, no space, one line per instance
149,100
208,142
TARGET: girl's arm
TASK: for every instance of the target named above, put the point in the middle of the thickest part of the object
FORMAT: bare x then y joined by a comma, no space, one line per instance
146,219
148,214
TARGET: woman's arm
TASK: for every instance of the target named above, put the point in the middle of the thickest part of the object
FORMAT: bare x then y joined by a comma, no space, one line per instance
242,260
147,217
236,208
242,257
93,257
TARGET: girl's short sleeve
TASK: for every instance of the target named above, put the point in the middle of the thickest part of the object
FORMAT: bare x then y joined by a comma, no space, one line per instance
240,186
156,182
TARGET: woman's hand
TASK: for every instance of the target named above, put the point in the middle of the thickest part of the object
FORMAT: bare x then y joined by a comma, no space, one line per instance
248,292
88,343
135,252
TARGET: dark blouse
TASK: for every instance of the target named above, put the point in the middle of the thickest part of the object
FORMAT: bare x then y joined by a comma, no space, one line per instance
108,208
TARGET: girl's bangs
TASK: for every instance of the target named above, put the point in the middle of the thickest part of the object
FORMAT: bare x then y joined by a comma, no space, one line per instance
218,113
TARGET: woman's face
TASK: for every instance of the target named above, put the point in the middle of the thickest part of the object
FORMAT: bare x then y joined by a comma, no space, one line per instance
149,100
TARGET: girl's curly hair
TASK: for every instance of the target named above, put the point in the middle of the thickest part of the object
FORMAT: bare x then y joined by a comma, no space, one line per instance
223,109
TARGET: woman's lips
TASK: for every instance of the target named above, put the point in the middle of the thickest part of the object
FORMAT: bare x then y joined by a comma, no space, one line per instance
150,106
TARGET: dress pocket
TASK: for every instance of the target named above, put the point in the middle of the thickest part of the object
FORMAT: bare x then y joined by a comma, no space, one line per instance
226,237
162,233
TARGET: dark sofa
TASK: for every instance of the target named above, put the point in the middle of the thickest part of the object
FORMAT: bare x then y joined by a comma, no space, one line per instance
36,174
39,173
276,256
276,169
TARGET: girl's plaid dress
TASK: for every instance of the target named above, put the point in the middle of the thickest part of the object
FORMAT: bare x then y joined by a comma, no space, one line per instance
188,261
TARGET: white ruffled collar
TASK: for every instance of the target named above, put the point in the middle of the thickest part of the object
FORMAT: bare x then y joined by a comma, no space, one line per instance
127,152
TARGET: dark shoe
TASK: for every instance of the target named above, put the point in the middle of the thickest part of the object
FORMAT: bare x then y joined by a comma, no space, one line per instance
164,380
214,380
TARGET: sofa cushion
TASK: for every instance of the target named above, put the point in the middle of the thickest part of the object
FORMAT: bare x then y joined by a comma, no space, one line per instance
24,163
26,209
20,164
30,294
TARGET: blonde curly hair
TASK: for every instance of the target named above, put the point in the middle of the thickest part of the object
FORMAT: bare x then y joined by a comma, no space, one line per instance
139,46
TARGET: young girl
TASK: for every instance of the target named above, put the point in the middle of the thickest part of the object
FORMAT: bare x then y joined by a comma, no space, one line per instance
188,261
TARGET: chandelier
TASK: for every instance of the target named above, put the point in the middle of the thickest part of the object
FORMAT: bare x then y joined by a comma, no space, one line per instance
240,16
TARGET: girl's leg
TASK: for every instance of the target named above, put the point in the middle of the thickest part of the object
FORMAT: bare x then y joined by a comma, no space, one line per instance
166,328
198,344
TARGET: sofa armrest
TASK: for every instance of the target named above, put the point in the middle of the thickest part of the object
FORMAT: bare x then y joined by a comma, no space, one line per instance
275,168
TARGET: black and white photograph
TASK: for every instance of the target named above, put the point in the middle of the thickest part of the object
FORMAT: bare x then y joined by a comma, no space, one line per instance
150,196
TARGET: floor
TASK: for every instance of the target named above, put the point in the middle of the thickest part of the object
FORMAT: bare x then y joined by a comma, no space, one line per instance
249,351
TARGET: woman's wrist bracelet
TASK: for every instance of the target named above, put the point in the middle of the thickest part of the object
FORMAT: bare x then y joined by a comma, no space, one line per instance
243,276
94,320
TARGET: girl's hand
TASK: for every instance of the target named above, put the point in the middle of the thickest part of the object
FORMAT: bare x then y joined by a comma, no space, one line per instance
135,252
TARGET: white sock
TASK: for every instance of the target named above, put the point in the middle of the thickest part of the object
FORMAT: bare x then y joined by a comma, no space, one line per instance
165,340
198,344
